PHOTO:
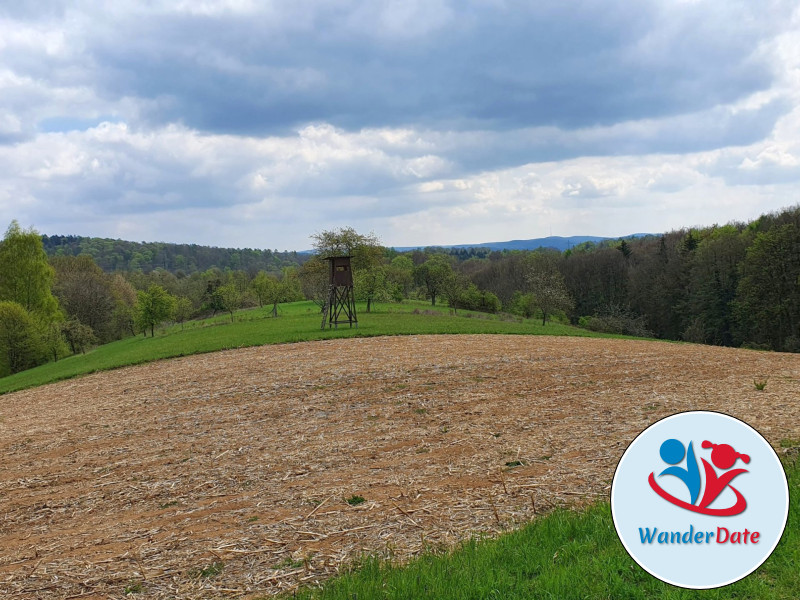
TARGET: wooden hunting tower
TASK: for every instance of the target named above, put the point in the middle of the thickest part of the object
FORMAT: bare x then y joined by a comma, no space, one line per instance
341,304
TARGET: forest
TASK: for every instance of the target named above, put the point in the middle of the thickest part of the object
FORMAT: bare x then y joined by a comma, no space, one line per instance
733,285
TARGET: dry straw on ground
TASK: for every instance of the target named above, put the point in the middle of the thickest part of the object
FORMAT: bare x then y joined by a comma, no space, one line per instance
227,475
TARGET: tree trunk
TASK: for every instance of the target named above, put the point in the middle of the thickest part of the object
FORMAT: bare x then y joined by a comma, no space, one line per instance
369,302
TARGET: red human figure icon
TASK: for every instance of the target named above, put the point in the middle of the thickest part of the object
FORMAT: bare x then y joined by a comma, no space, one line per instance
724,457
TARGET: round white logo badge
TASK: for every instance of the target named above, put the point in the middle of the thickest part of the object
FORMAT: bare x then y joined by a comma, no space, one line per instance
699,499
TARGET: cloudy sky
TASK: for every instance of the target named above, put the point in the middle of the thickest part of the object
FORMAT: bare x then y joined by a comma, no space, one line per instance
256,123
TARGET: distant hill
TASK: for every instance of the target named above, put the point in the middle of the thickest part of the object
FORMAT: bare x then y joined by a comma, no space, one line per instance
553,241
119,255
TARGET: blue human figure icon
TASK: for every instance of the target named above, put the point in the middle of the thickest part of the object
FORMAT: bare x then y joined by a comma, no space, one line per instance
672,452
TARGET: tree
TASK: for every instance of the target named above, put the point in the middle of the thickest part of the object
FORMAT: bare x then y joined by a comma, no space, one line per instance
546,284
346,241
85,293
370,285
400,276
153,307
25,275
123,318
314,281
78,335
453,287
21,346
230,298
183,310
53,340
432,274
269,290
768,295
366,257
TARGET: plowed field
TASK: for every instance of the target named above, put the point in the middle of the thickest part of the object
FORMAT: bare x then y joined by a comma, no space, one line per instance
229,474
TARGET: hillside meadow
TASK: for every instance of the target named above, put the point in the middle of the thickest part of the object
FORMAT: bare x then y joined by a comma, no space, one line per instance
297,322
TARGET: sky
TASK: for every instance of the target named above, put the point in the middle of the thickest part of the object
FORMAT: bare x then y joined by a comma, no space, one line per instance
244,123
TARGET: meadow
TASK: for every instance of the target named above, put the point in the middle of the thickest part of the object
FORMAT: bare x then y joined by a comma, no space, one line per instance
297,322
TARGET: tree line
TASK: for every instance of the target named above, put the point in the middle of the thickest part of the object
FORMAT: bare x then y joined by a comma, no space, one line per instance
733,285
182,259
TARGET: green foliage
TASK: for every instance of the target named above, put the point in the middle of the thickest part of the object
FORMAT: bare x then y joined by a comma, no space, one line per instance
21,344
209,571
314,281
433,275
183,310
355,500
153,307
25,275
77,335
187,259
230,298
85,293
768,299
546,284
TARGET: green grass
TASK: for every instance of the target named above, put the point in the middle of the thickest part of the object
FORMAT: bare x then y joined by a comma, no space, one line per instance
299,321
565,555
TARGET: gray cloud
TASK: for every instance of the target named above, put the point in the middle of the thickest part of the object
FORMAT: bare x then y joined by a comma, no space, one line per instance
240,111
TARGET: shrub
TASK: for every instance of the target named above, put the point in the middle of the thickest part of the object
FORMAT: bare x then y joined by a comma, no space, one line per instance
616,320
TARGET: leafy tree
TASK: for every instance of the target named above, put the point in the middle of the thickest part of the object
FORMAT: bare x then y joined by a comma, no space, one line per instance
123,318
546,284
346,241
370,285
78,335
315,281
212,299
183,310
269,290
85,293
768,296
153,307
230,298
21,346
453,286
400,277
53,340
366,259
25,275
261,285
432,275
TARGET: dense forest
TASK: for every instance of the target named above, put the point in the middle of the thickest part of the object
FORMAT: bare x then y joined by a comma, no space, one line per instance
733,285
119,255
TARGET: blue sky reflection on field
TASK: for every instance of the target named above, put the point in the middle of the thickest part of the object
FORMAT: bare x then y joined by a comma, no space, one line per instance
244,123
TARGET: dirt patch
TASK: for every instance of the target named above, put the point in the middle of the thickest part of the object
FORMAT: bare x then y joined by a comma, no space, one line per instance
228,474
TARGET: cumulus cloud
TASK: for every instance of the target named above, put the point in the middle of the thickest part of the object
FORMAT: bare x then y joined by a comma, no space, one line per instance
240,122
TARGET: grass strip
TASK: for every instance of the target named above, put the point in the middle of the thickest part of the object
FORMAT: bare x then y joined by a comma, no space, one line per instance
566,555
298,322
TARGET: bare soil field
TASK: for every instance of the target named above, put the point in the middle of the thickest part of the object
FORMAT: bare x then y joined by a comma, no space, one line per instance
227,475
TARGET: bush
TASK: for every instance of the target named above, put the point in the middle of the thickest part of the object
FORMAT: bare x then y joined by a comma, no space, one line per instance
21,344
616,320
